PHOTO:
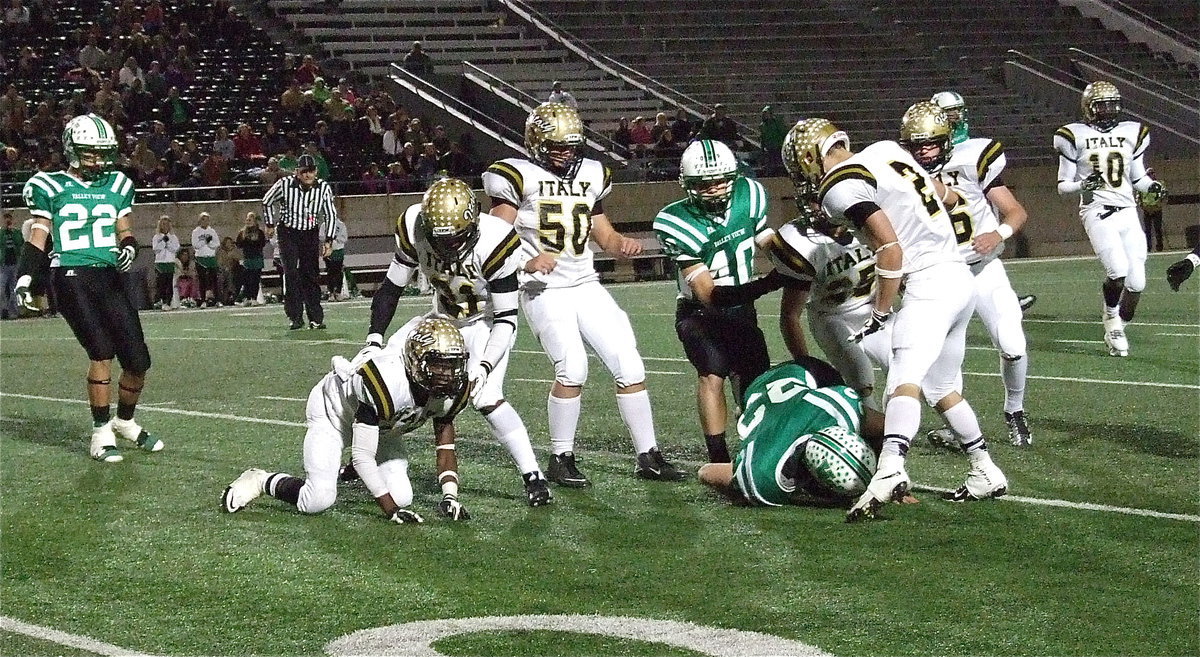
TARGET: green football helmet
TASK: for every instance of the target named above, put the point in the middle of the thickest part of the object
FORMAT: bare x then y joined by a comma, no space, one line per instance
90,146
840,461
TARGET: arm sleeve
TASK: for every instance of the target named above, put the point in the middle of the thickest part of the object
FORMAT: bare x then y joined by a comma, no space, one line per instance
990,165
37,197
329,210
1068,156
787,259
503,290
849,201
504,181
387,297
269,201
363,454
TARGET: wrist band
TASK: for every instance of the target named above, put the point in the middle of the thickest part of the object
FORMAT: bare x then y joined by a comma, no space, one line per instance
888,273
1005,231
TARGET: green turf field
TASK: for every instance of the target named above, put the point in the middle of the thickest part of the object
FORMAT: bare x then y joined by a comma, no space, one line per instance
1094,552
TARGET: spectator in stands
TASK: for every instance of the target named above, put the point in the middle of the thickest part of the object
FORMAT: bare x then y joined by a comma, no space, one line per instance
441,141
408,157
251,240
113,57
1152,216
229,271
143,161
322,164
336,260
307,72
318,94
161,176
127,15
154,18
416,131
65,62
369,131
273,141
323,138
340,116
139,104
639,137
156,82
214,171
11,245
16,18
28,64
183,168
184,62
13,112
666,149
457,163
74,105
105,99
293,101
393,139
248,148
771,132
140,48
560,95
347,92
427,165
287,161
184,38
175,112
206,241
186,275
129,72
660,125
622,136
372,180
417,61
174,75
271,172
399,179
720,127
223,144
166,247
44,121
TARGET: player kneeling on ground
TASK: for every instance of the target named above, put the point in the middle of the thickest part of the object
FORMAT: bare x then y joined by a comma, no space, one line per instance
800,440
356,399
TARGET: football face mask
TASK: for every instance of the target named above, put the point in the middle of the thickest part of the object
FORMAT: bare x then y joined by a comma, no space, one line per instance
435,356
90,146
925,132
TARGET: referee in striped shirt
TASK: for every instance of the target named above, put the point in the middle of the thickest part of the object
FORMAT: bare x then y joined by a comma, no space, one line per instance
299,204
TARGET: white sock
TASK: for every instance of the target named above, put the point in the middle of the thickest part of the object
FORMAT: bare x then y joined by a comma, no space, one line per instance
1013,372
636,413
1110,312
965,425
563,414
901,421
510,431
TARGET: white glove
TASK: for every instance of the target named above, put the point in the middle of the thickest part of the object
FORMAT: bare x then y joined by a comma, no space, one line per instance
374,345
451,508
873,324
24,296
125,257
406,517
478,375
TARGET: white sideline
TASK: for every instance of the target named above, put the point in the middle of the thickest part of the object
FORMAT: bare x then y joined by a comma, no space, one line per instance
286,423
64,639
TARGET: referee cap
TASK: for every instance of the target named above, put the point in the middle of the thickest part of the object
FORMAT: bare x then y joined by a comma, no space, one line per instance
306,161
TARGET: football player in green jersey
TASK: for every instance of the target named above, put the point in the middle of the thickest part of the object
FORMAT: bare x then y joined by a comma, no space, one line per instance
86,208
711,236
788,406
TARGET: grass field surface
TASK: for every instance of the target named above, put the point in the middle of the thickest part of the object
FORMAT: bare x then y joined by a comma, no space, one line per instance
1094,552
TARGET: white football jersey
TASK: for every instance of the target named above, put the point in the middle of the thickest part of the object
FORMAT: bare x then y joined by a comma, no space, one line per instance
462,290
974,168
383,383
885,176
1116,154
842,277
554,215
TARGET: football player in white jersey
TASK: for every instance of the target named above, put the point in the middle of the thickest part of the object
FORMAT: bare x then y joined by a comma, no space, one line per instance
371,403
956,112
988,216
1101,159
897,209
470,259
555,201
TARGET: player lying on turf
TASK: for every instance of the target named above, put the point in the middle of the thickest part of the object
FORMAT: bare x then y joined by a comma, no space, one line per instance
388,389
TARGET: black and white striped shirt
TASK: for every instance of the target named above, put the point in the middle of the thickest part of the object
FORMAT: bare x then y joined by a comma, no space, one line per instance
289,204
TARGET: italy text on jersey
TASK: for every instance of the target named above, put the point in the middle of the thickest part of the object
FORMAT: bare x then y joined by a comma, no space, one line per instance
974,168
1112,153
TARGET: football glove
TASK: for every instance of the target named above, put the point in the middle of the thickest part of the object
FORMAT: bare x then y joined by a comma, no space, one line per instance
873,324
1176,273
1094,181
126,254
405,517
451,508
478,375
25,297
1156,193
373,346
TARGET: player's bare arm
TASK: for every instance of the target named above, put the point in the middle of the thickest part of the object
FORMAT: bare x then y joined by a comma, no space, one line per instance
889,259
791,307
1012,219
612,241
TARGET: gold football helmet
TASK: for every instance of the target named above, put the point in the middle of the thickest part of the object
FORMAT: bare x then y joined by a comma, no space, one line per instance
804,150
553,135
1101,104
435,356
925,125
449,218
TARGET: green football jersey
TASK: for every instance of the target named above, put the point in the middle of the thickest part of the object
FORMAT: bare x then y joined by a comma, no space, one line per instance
784,407
725,244
84,215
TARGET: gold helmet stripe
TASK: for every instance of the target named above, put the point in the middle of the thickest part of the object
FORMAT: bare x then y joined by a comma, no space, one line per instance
851,172
403,241
789,257
1141,139
378,389
607,178
1065,133
991,153
507,247
509,173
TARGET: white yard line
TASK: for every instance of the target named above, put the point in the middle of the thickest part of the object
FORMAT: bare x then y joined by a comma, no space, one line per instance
290,399
285,423
76,641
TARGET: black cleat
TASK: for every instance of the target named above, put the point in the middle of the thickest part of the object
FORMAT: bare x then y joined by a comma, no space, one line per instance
1018,429
536,489
651,465
563,472
1027,301
296,325
347,473
317,325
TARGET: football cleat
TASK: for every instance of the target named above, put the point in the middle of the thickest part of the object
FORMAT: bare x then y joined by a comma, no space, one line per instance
348,473
890,483
943,438
244,490
1027,301
651,465
1114,337
562,471
132,431
317,326
296,325
985,481
104,445
1018,429
536,489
